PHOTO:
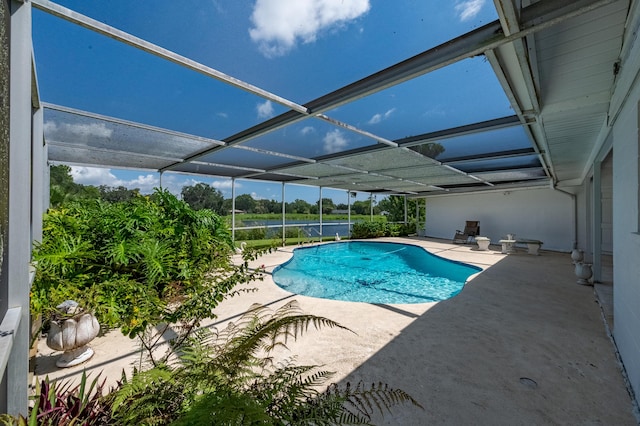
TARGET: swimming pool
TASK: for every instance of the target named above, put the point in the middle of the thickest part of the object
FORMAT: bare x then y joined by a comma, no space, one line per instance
373,272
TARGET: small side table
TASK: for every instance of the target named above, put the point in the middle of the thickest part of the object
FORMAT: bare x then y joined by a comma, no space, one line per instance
508,246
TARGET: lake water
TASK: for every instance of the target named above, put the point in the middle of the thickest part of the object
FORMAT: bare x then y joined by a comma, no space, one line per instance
309,228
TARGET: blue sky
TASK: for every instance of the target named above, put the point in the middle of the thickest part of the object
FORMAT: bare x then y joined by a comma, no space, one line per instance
298,49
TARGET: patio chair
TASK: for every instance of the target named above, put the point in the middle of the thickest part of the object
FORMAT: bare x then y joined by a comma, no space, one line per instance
471,229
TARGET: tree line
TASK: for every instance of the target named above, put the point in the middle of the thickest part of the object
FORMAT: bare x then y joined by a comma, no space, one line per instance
203,196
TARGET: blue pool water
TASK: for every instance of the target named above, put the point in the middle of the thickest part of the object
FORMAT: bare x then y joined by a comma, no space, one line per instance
373,272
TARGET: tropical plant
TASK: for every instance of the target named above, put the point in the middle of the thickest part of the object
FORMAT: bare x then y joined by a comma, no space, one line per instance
231,378
137,264
65,404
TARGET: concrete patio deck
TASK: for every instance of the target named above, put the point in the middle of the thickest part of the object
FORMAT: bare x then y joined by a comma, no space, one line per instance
521,344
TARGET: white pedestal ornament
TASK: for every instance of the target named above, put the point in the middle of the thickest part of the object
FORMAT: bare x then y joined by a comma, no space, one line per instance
70,332
583,272
483,243
577,255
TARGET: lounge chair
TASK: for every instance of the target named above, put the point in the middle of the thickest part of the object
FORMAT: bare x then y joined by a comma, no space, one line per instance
471,229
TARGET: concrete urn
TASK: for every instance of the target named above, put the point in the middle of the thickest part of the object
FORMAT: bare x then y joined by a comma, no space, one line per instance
576,256
71,331
483,243
583,272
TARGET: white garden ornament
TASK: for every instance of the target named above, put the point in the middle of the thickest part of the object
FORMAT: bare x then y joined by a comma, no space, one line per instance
71,331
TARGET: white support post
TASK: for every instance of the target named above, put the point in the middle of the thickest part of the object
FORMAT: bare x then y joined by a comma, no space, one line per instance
371,206
18,256
46,195
406,215
284,212
39,167
233,209
424,224
596,222
349,213
320,211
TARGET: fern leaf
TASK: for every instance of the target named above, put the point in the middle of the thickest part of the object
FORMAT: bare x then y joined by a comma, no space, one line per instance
381,396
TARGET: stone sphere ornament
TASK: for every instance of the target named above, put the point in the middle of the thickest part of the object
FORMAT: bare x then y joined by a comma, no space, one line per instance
70,331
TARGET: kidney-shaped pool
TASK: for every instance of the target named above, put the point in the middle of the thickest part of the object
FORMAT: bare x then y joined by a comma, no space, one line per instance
373,272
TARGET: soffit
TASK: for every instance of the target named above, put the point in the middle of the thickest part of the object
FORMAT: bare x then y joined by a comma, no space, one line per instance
575,65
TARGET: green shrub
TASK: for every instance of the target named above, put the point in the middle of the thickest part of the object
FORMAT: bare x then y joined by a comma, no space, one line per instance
381,229
369,230
62,404
136,264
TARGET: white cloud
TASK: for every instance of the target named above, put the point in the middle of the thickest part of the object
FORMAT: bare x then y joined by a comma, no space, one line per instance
49,127
146,183
93,176
224,184
255,196
307,130
173,182
265,109
468,9
377,118
84,131
334,141
218,7
280,24
98,176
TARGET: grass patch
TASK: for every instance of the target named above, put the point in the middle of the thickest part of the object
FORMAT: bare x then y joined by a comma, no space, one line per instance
278,242
310,217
